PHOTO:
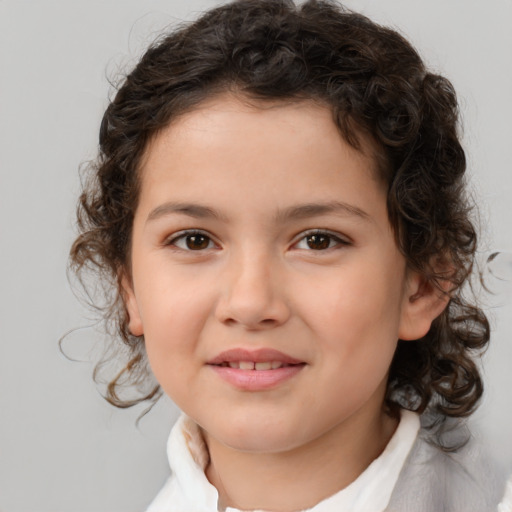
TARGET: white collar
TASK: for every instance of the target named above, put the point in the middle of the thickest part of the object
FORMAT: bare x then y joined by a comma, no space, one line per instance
371,491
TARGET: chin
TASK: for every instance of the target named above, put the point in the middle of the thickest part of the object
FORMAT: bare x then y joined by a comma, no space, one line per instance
256,436
260,443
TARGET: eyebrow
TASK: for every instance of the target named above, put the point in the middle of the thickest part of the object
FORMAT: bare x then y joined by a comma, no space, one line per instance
190,209
307,210
302,211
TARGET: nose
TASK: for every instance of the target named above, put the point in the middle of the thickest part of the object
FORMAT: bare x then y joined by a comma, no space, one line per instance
252,294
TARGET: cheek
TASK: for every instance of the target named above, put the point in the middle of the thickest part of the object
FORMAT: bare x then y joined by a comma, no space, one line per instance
353,301
174,312
357,316
358,338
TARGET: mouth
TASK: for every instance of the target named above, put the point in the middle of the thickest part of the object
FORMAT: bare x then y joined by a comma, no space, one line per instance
255,370
255,366
250,359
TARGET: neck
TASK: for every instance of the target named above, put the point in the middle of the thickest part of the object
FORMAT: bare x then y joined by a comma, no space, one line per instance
302,477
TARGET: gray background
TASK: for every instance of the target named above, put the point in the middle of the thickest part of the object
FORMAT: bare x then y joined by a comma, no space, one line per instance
62,448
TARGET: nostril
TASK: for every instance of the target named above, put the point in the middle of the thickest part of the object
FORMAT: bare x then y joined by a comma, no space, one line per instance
252,307
230,321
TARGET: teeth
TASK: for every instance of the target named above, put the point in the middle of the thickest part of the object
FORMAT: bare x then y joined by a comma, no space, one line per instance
263,366
249,365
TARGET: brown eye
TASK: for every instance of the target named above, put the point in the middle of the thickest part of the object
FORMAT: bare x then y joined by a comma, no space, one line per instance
192,241
318,242
197,242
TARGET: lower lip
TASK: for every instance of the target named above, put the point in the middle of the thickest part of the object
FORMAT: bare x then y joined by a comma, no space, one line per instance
256,380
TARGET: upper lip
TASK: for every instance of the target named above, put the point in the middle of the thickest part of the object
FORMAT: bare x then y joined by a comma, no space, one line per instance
256,356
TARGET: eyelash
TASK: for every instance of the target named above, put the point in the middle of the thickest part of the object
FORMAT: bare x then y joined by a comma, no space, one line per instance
183,235
338,241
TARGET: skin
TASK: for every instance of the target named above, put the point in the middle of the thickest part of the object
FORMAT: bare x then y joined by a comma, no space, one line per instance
255,280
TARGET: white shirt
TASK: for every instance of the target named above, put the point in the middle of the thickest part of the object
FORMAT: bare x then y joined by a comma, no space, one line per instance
506,502
188,489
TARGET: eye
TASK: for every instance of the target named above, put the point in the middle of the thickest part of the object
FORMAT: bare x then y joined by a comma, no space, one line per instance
191,241
319,241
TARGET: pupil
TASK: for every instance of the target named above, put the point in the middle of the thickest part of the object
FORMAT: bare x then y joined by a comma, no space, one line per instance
318,242
195,242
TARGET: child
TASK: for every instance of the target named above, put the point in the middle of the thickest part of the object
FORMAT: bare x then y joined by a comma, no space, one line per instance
279,199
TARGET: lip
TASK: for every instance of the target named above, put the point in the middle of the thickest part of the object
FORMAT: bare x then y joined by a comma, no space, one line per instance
255,380
257,356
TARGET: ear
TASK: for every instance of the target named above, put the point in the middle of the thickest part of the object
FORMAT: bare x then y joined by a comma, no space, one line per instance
132,308
423,302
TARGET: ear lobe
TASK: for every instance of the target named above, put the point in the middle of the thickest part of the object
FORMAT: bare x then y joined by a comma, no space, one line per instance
423,303
132,308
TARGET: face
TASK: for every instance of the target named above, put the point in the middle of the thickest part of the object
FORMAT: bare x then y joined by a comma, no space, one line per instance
265,277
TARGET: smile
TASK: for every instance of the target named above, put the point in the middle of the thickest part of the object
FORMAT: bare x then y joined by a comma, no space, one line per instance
255,370
251,365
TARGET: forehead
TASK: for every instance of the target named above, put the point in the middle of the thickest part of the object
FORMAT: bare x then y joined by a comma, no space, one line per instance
230,150
262,123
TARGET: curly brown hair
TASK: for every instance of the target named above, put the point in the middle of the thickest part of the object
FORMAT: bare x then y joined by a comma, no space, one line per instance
377,87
